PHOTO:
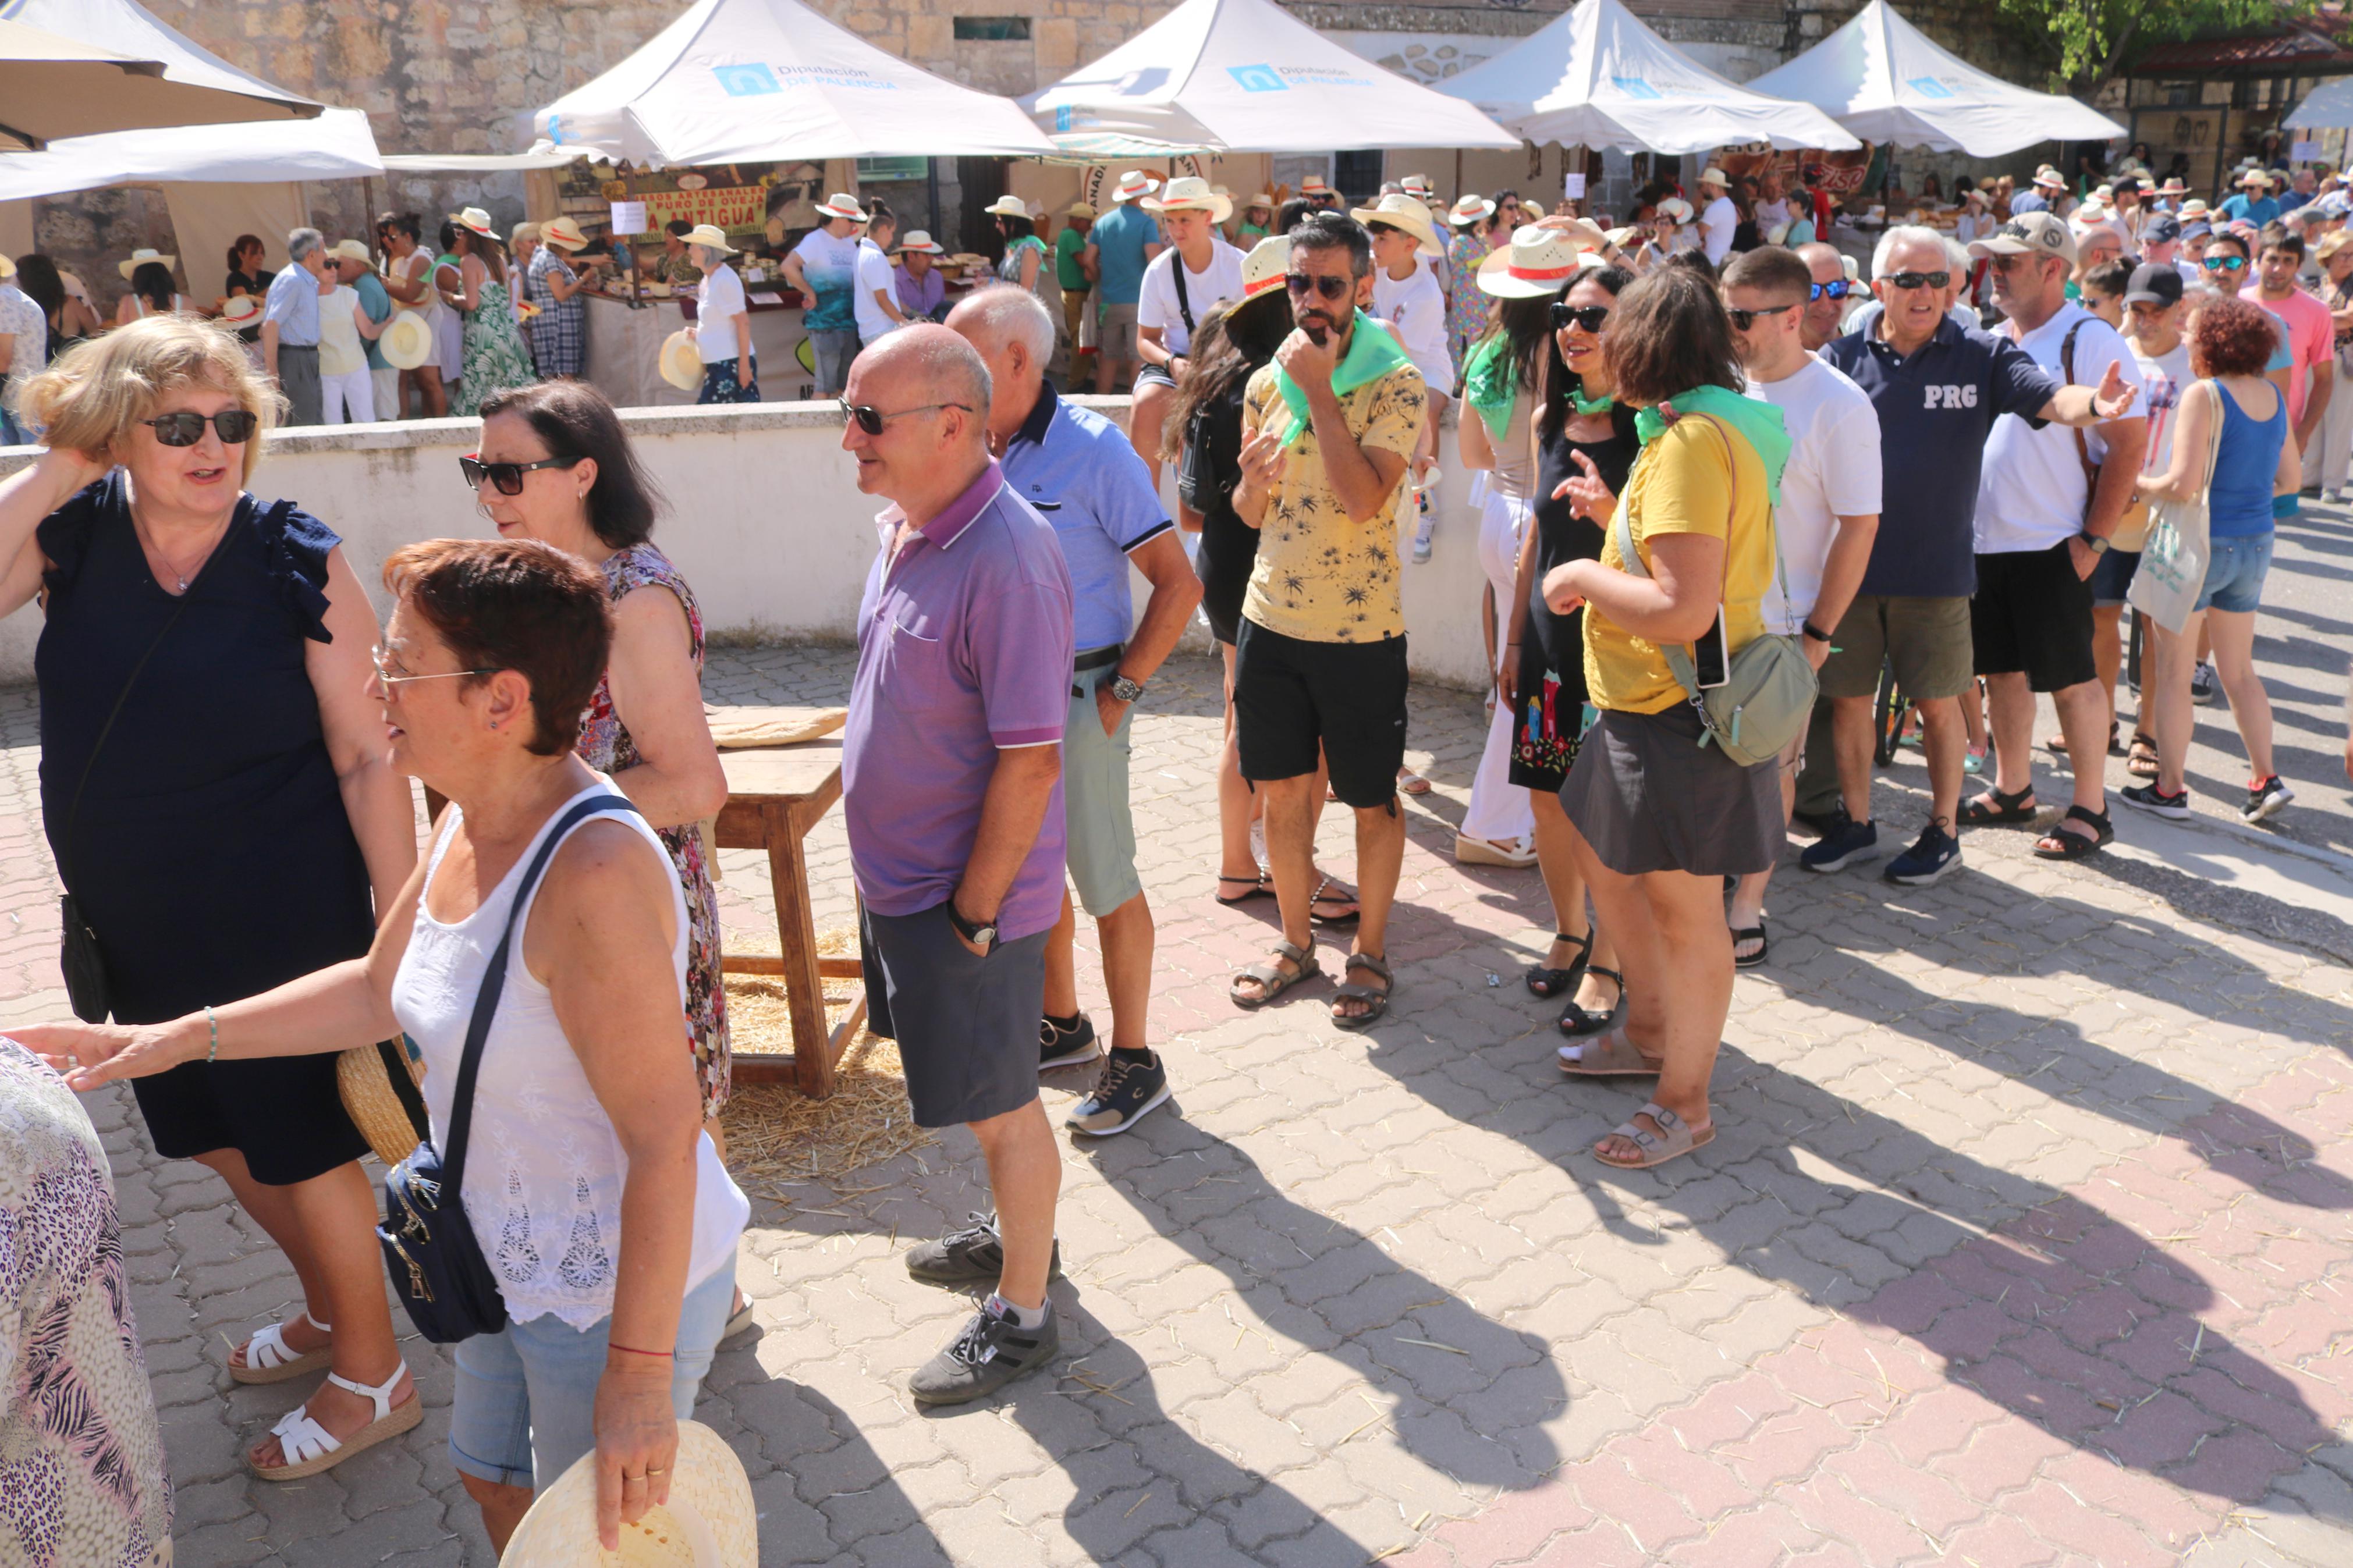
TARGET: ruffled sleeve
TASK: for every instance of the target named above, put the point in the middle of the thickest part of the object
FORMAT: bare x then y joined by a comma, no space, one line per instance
64,535
296,546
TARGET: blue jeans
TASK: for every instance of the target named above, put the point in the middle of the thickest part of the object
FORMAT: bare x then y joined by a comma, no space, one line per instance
2235,578
833,350
524,1408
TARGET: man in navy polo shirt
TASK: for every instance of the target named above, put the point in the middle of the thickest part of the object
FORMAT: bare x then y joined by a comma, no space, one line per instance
1938,388
1085,476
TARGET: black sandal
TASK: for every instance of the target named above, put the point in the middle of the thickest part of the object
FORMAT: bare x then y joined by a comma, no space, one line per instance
1376,1002
1257,889
1576,1023
2078,846
1754,933
1333,923
1550,983
2006,808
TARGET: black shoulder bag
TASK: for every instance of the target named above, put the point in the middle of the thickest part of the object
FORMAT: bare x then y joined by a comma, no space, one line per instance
437,1264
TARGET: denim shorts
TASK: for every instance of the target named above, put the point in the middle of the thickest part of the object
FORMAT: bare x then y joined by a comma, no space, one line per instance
2112,578
2234,579
525,1405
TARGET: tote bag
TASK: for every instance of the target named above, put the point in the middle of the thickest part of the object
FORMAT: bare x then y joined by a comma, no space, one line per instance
2179,549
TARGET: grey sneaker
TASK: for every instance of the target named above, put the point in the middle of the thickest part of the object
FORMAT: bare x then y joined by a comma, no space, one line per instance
972,1256
991,1351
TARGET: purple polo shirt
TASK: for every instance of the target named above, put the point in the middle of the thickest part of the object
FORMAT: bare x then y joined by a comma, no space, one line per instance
963,650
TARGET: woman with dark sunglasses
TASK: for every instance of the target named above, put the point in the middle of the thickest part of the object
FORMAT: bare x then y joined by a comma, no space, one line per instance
215,790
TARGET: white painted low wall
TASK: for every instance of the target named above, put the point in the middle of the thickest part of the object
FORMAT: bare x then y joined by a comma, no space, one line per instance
764,519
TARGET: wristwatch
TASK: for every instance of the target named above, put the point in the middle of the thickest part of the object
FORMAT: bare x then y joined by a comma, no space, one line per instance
1126,691
2096,543
982,936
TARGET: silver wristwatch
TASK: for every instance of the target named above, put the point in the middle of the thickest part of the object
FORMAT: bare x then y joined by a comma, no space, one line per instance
1126,691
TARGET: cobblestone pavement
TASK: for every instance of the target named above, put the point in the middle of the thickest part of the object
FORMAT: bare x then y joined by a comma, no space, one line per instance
2024,1239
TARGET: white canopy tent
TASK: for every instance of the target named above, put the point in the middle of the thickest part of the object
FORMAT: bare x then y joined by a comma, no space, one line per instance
767,79
1597,77
1888,81
52,86
2328,107
1216,76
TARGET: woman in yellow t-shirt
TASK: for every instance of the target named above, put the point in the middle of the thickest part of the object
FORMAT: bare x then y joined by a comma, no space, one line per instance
1663,818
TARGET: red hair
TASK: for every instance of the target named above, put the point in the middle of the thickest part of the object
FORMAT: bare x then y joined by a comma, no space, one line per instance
2233,337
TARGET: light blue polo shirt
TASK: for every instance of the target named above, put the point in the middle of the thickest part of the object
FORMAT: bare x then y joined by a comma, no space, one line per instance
1081,472
293,303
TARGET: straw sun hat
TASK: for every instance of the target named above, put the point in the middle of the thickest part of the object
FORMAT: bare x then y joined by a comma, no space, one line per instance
840,206
1134,183
476,220
407,342
708,1522
1470,209
1402,209
1264,268
1008,205
563,234
1537,262
141,257
242,311
917,240
680,363
711,236
1190,195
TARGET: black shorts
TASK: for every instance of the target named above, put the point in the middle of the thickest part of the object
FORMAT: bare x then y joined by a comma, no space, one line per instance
1149,375
284,1114
1293,697
2032,615
966,1025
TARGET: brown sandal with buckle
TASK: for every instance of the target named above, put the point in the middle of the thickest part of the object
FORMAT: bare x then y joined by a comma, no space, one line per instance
1609,1056
1272,981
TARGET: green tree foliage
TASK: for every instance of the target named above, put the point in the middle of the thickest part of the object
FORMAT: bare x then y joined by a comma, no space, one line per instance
2088,41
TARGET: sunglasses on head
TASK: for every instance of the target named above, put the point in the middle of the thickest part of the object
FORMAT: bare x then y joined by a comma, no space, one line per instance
1590,317
1744,320
186,428
872,420
1299,283
506,476
2223,263
1919,279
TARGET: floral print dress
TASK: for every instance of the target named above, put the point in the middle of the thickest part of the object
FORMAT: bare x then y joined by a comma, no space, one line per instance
494,356
606,745
1466,307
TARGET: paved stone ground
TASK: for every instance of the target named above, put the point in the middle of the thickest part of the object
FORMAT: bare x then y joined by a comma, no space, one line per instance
2024,1240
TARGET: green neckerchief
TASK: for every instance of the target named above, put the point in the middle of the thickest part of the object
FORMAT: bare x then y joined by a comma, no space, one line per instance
1759,423
1372,354
1489,385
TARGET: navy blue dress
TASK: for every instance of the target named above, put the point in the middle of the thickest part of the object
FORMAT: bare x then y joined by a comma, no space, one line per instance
212,856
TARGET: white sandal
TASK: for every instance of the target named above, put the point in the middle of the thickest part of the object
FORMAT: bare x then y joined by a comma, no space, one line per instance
270,1358
309,1447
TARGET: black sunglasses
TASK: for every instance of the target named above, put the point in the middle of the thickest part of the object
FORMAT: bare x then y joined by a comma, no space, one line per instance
1590,317
872,420
1835,290
186,428
1330,288
1919,279
507,477
1744,320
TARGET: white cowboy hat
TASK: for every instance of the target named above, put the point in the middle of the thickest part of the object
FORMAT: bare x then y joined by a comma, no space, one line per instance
141,257
475,219
1314,185
408,342
563,234
917,240
1188,194
2194,209
1007,207
1265,267
840,206
351,250
680,363
1676,208
1712,175
1134,183
1259,200
1470,209
1416,184
2255,177
1402,210
708,1522
242,311
1619,239
1538,262
2050,177
710,235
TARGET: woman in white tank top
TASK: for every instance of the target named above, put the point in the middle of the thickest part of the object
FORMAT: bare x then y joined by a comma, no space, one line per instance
586,1106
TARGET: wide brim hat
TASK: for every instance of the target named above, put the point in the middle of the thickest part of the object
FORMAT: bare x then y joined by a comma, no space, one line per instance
2195,207
840,206
918,241
1712,175
1265,267
241,311
680,363
1676,208
1081,209
2173,187
1402,210
351,250
1317,185
1260,200
2051,178
1132,183
709,235
2331,243
1007,207
563,234
1537,263
2255,177
1190,195
708,1522
1469,210
476,220
141,257
408,342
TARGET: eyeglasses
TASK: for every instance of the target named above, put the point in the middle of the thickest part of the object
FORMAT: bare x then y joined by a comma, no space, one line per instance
1835,290
2001,266
872,420
381,657
1299,283
186,428
1744,320
507,477
1918,280
1590,317
2223,263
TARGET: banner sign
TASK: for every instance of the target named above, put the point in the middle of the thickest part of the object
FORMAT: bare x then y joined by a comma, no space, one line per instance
731,208
1842,174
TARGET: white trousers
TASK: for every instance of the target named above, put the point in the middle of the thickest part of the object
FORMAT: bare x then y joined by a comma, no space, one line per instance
349,398
2336,436
385,380
1497,810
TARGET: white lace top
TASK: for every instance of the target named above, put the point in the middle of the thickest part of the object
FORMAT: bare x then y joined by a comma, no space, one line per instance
544,1168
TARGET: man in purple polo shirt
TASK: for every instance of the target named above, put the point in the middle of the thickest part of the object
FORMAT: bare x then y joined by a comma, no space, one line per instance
952,790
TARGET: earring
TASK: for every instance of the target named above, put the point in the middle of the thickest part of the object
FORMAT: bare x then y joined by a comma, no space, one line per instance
494,723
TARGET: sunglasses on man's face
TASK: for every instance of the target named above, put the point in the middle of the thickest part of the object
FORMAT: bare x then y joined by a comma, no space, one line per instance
507,477
1744,320
2224,263
872,420
1299,283
186,428
1834,289
1920,279
1590,317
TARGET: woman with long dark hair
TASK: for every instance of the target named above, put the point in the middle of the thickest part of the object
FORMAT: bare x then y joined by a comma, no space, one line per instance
69,320
152,290
495,355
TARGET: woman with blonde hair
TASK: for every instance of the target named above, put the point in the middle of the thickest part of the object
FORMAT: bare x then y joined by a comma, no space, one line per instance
215,796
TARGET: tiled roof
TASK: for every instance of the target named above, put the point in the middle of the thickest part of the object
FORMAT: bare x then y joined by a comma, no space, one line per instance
2315,44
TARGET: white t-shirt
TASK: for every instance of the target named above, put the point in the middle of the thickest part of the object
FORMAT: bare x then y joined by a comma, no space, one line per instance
718,300
1717,222
1833,472
873,273
1156,304
2032,491
1772,213
2163,379
1415,311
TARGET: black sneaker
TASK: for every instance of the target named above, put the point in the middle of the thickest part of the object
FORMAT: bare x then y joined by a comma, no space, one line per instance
2201,684
2264,798
1933,854
1060,1047
992,1350
1129,1084
972,1256
1847,842
2147,797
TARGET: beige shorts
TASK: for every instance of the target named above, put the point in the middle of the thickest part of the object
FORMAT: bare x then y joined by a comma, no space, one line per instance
1118,344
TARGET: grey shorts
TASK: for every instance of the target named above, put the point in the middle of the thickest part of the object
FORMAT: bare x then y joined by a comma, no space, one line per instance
1927,640
1649,797
1095,811
1118,344
966,1025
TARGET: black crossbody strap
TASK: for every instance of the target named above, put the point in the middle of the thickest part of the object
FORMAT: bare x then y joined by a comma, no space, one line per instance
494,979
1184,304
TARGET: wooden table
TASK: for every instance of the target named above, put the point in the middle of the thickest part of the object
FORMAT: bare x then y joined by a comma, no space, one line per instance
774,795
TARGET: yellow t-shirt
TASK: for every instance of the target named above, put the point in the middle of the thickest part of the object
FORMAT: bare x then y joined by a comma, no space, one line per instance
1322,576
1682,484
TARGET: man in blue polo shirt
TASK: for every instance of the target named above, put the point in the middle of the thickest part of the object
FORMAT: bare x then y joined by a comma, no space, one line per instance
1078,470
1938,388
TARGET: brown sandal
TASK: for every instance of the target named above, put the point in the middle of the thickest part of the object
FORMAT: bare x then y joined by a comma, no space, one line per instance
1675,1139
1609,1056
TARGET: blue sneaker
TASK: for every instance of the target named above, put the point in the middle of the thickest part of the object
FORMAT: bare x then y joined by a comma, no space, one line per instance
1935,853
1847,842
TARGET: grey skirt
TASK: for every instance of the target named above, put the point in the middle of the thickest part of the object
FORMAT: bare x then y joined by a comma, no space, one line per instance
1649,797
